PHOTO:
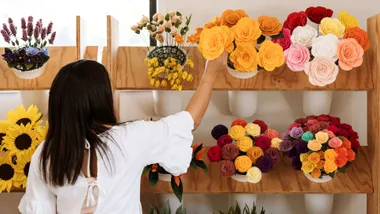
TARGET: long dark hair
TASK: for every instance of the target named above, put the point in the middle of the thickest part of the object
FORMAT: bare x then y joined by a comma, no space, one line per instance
80,108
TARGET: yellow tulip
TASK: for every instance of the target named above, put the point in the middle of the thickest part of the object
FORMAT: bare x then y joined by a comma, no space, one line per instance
190,78
180,88
175,76
152,81
157,83
164,83
185,75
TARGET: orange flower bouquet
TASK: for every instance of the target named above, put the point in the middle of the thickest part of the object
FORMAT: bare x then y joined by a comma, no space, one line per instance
245,41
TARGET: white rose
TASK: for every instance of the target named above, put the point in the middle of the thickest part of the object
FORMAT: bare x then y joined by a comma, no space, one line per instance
254,175
304,35
325,46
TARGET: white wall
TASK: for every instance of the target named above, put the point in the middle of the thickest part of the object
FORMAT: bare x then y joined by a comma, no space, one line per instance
276,108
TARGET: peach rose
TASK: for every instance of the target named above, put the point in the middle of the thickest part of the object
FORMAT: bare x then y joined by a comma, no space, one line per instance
359,35
314,145
272,133
321,71
270,26
231,17
335,142
246,32
350,54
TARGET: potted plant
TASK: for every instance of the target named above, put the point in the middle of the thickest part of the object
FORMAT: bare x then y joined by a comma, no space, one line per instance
166,209
245,210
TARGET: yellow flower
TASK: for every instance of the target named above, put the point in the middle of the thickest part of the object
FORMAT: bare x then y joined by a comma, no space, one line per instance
253,129
190,63
314,158
347,20
244,143
308,167
22,168
237,132
175,87
246,32
164,83
157,83
245,58
152,81
330,166
7,174
185,74
20,139
175,75
330,155
190,78
314,145
275,143
304,157
322,137
179,88
332,26
166,62
243,163
212,43
22,116
4,126
254,153
254,175
228,38
271,55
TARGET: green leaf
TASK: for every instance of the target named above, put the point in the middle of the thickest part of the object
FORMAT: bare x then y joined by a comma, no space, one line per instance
29,66
13,43
177,190
17,42
147,169
193,164
178,14
188,19
167,30
332,175
344,168
205,170
262,210
167,17
177,24
261,39
237,209
278,36
261,68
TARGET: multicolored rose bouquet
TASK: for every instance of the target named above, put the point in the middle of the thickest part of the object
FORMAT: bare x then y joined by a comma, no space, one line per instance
318,52
320,145
244,39
166,61
246,149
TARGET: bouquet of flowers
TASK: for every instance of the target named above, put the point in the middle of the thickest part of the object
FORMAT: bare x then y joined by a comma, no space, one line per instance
166,61
246,149
19,137
320,145
318,52
155,170
244,39
30,45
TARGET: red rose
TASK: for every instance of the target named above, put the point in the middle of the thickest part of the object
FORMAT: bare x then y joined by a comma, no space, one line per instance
345,126
227,168
315,128
214,154
293,125
353,134
263,142
355,144
262,124
342,132
324,118
295,19
323,125
335,120
333,129
223,140
316,14
334,123
311,117
301,120
305,129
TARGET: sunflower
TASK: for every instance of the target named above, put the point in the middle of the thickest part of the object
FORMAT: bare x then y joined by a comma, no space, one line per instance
22,116
4,125
7,173
20,139
42,132
22,169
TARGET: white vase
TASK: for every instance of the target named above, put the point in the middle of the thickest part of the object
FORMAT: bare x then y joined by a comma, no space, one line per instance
38,98
241,75
324,179
317,102
319,203
164,177
166,103
242,103
29,74
240,178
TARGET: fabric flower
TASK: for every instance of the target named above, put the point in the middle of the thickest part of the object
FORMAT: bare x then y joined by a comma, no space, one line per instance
322,71
253,129
350,54
275,143
321,164
264,163
322,137
347,20
335,142
314,158
263,142
224,140
294,20
316,173
330,134
296,57
274,154
219,131
333,129
214,154
244,58
359,35
314,145
330,166
246,32
325,46
244,143
346,143
230,151
311,122
239,122
330,154
293,125
262,124
332,26
271,133
306,136
212,43
254,153
243,163
237,132
296,132
342,132
341,161
301,146
304,35
308,167
271,55
316,14
231,17
304,157
286,145
351,155
254,175
270,26
293,153
227,168
341,151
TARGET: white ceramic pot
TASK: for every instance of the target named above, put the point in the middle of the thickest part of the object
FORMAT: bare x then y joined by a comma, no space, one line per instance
38,98
166,103
29,74
324,179
319,203
240,178
242,104
317,102
241,75
164,177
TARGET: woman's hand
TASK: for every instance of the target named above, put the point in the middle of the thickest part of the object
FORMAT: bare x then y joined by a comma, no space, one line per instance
214,67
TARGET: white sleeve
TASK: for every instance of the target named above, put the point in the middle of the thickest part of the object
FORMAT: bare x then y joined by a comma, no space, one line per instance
168,142
38,198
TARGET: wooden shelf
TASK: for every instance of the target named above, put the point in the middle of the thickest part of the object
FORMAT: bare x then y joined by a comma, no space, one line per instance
282,179
132,74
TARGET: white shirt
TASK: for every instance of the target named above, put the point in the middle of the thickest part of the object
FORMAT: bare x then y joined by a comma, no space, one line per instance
138,144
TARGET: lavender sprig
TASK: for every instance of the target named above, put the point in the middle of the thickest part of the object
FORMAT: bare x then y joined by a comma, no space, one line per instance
13,29
5,28
30,29
23,23
52,38
50,28
36,32
30,19
24,35
5,36
43,33
10,20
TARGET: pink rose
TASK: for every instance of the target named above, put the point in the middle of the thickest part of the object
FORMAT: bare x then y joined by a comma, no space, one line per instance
285,41
330,133
296,57
335,142
321,71
271,134
311,122
350,54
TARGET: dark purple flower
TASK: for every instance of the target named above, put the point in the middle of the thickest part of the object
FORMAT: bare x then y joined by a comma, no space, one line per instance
51,41
274,154
293,153
216,132
30,19
23,23
296,163
13,29
43,33
5,36
39,23
286,145
30,28
37,32
296,132
301,146
50,28
264,163
5,28
10,20
24,35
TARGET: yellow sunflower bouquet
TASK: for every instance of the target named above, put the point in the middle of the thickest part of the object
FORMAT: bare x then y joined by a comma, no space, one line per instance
20,135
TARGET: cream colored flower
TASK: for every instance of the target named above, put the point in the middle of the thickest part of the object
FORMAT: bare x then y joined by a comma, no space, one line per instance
254,175
253,129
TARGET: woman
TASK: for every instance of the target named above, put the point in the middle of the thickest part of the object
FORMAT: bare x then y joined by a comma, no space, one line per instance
89,163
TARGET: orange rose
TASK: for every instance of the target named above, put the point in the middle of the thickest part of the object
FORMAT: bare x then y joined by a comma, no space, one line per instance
350,54
271,55
246,32
194,38
214,22
359,35
316,173
330,167
314,158
351,155
212,43
321,155
244,58
231,17
228,39
341,151
330,155
346,143
239,122
271,133
320,164
341,161
270,26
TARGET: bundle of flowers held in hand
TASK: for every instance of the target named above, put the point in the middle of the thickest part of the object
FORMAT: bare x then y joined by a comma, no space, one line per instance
318,52
30,44
166,61
320,145
246,149
244,39
19,137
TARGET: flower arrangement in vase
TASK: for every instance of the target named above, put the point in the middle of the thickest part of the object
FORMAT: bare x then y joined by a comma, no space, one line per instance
335,42
30,54
20,135
246,150
320,146
245,41
156,172
166,62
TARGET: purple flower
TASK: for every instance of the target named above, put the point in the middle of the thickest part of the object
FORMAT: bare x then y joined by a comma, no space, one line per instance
50,28
51,41
39,23
24,35
5,36
274,154
285,135
296,163
293,153
23,23
13,29
30,19
30,28
5,28
264,163
296,132
301,146
10,20
43,33
37,32
286,145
